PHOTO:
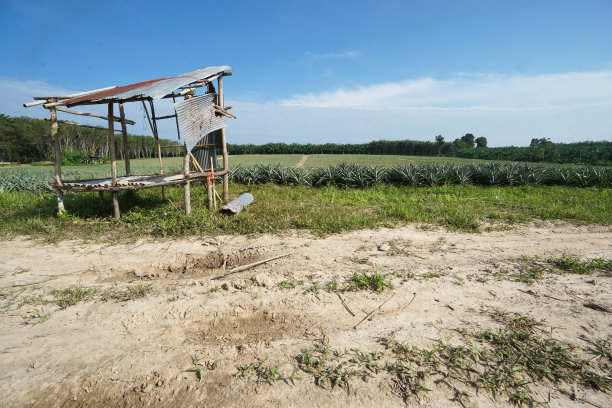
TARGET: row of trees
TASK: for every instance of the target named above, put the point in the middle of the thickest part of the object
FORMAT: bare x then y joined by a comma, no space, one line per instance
24,139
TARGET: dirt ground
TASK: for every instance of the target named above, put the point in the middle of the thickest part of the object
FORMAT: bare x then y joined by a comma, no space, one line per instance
105,351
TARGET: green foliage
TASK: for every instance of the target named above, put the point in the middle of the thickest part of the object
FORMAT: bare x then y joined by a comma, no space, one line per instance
376,282
324,210
74,157
72,296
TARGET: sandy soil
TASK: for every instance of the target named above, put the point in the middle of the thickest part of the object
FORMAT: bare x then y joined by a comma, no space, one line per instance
137,353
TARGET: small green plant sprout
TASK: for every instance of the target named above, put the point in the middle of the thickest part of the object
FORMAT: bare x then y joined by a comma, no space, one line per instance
332,286
30,300
132,292
570,264
376,282
72,296
268,374
315,287
244,370
287,284
36,316
197,366
360,260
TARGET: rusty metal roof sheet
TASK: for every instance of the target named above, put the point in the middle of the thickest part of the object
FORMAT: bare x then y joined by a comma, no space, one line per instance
154,88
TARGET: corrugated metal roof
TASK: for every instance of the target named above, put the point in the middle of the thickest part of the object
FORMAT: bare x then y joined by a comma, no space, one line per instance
154,88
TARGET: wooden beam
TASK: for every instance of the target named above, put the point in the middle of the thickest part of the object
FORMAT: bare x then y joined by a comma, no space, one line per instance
165,117
67,122
76,94
57,160
198,145
126,152
223,143
116,119
186,187
156,136
113,159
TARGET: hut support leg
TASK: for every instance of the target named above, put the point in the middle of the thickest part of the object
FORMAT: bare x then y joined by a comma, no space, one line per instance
223,145
113,159
187,187
57,160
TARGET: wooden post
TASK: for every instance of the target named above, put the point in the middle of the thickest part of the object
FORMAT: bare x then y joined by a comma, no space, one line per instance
156,134
126,154
57,160
224,145
113,159
187,191
153,124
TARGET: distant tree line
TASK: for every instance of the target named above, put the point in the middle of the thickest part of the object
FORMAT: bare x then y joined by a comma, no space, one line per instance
467,146
24,139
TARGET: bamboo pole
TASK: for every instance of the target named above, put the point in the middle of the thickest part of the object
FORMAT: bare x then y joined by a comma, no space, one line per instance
113,159
156,134
212,183
223,144
93,115
126,155
67,122
57,160
187,188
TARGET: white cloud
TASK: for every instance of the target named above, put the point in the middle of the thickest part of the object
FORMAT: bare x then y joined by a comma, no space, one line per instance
331,55
473,91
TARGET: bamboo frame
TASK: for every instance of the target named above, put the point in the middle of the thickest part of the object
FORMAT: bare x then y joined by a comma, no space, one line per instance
223,144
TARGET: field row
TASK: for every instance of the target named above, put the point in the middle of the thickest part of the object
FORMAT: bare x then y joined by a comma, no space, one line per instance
35,179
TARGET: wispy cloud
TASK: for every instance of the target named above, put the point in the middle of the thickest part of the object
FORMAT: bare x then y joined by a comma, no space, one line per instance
471,91
311,56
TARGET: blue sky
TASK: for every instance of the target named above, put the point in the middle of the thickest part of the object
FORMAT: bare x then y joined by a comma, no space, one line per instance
334,71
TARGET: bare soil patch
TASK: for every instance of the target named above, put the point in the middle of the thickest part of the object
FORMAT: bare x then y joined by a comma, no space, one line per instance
243,328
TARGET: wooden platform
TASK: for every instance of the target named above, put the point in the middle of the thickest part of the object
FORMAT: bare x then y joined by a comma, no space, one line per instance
134,182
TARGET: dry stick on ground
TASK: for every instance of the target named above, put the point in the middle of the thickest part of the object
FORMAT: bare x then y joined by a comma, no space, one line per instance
249,266
345,305
597,307
532,293
316,324
375,310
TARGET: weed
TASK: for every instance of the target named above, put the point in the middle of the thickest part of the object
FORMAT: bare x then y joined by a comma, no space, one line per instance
362,260
332,286
132,293
314,287
431,275
287,284
36,316
376,282
72,296
570,264
30,300
244,370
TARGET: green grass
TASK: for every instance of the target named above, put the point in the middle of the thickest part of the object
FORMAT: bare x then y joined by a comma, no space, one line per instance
376,282
278,208
72,296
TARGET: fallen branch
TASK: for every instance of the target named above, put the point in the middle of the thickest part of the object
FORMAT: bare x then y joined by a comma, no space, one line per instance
374,311
345,305
249,266
532,293
316,324
597,307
